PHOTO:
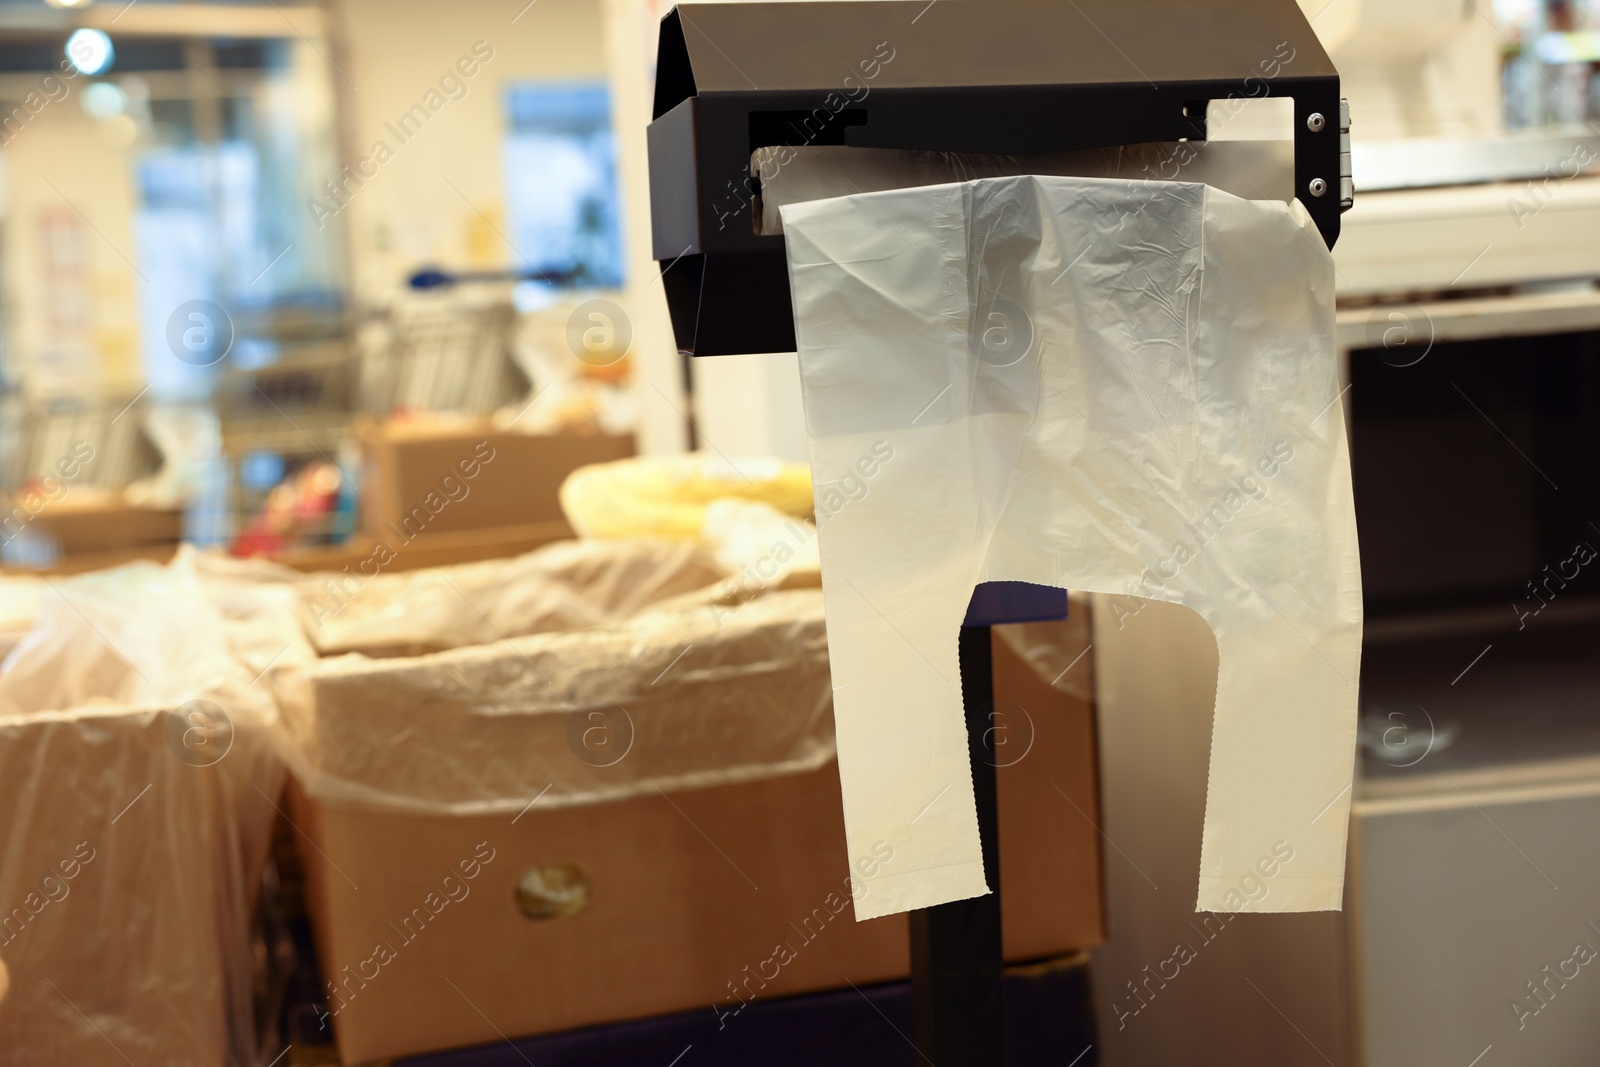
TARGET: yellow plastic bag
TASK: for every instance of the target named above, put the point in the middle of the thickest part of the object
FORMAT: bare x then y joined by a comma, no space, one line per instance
666,496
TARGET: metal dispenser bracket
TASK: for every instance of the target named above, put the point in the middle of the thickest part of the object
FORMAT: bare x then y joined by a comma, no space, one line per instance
1020,77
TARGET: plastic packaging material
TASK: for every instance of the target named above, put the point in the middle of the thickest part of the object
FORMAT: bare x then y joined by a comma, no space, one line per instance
761,547
1058,650
138,776
666,496
578,384
147,804
695,696
19,606
1255,170
263,610
139,634
569,585
1106,386
188,438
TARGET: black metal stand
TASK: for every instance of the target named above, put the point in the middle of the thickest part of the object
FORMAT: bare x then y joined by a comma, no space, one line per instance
956,954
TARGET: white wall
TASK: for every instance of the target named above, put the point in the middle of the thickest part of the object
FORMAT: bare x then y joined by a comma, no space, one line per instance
440,199
748,406
61,163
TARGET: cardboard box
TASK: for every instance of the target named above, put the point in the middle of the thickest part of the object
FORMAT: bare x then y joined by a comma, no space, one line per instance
88,524
422,479
129,883
136,819
440,931
428,550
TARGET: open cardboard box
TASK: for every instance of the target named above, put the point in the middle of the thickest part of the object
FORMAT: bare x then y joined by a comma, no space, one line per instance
89,530
130,885
438,931
138,777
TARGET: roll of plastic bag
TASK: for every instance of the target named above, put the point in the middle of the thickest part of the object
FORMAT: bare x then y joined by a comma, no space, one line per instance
1255,170
1107,386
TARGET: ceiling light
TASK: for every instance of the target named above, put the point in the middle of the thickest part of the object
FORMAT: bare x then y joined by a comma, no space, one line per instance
103,99
90,51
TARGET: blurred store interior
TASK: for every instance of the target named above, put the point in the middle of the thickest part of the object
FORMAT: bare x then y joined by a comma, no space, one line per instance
341,415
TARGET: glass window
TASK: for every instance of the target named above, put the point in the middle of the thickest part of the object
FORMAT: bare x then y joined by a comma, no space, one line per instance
561,183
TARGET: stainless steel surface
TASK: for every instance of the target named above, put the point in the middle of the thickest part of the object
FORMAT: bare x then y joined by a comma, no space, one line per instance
1547,155
1318,186
1315,122
1347,187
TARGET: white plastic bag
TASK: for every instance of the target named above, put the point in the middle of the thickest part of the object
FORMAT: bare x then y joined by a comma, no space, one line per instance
1103,385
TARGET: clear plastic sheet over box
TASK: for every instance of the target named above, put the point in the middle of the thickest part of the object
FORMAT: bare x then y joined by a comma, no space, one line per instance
644,645
137,821
671,699
149,717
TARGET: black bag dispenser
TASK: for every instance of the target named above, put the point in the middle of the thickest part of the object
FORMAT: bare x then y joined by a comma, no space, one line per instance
1019,77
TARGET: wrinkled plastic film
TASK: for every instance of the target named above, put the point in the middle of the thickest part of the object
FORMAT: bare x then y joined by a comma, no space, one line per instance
580,673
569,585
475,688
135,813
110,780
703,695
1102,385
